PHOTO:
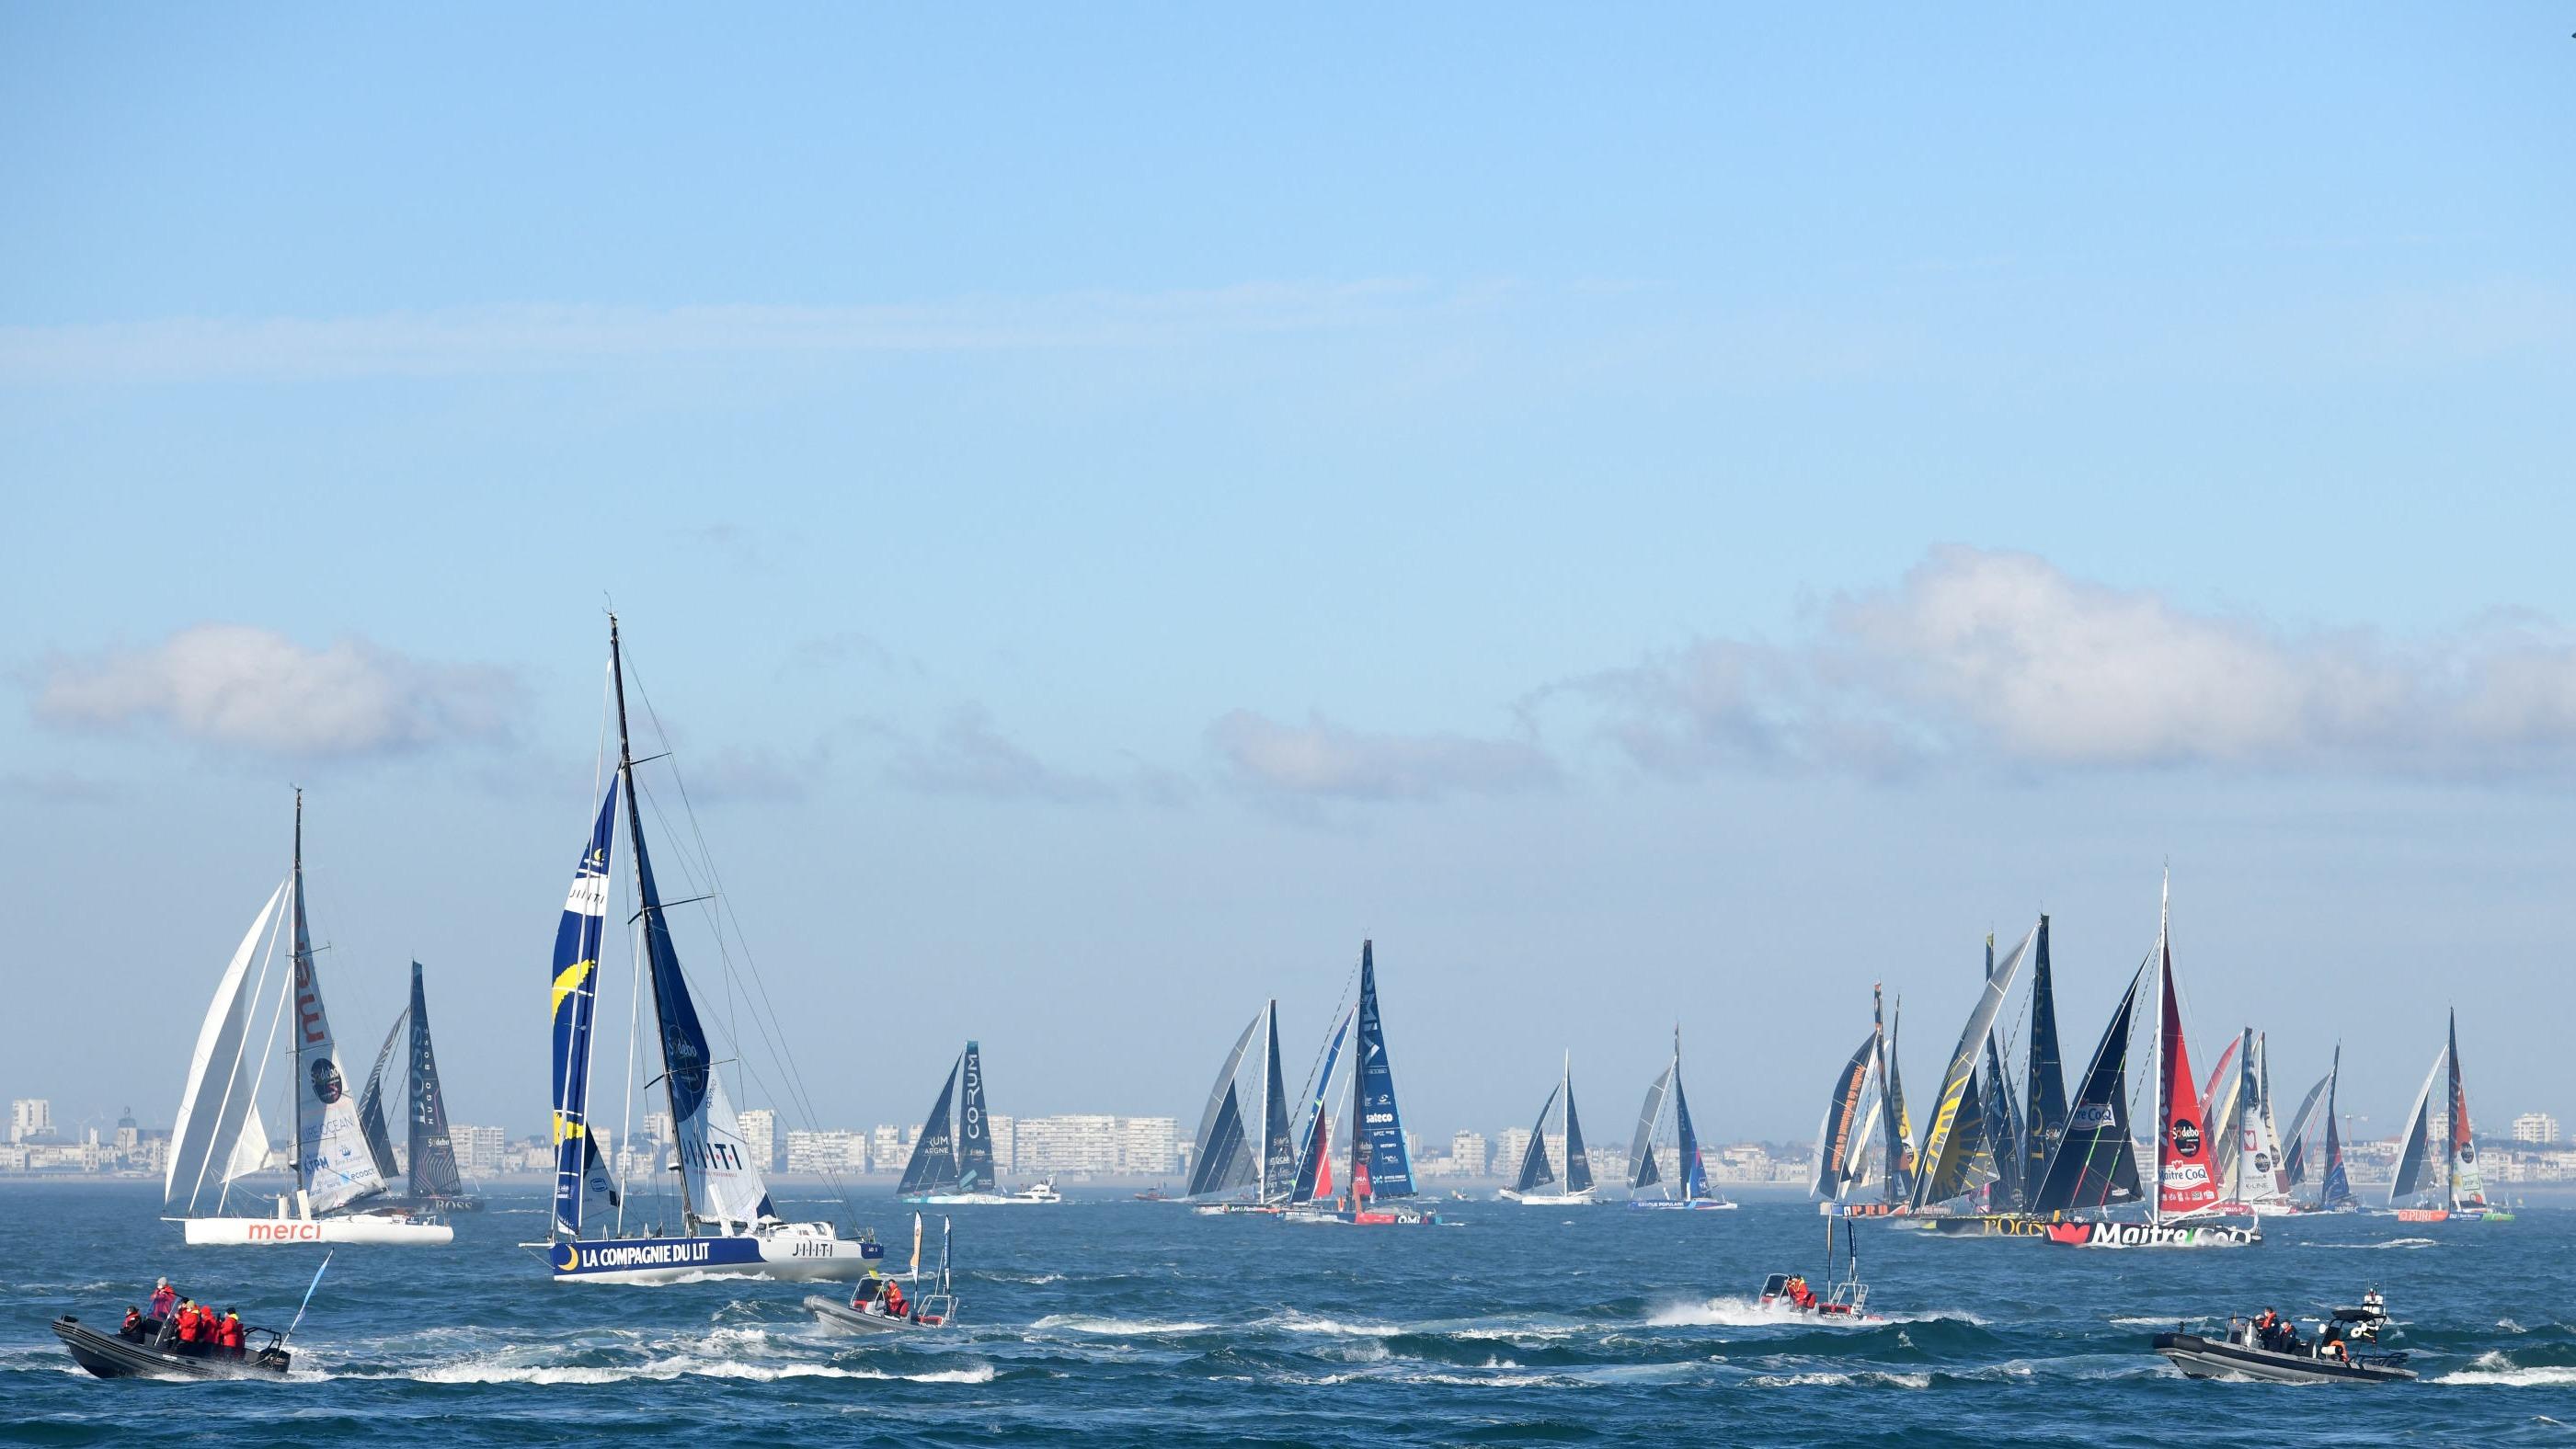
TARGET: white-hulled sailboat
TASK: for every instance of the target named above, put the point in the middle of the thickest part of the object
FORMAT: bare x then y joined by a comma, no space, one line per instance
220,1137
952,1156
1537,1173
728,1227
1224,1158
2441,1183
1645,1172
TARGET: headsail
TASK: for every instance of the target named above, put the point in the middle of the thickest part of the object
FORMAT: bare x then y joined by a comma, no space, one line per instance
1578,1163
331,1147
371,1103
576,991
2093,1164
432,1152
2294,1163
1953,1137
2335,1188
719,1184
1314,1165
250,1149
1899,1125
1220,1137
1838,1142
1535,1168
214,1105
2415,1155
933,1164
1685,1137
1642,1171
1389,1162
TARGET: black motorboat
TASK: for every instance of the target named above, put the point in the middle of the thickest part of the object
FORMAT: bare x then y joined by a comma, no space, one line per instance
111,1354
2334,1356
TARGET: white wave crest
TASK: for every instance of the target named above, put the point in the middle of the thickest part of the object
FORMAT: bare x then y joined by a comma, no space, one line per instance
2503,1374
488,1371
1147,1327
1749,1313
2373,1247
1838,1379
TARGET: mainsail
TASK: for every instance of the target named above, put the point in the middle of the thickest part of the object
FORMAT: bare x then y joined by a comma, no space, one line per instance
2045,1121
2184,1183
432,1153
974,1126
2255,1172
1899,1126
2335,1188
215,1106
331,1145
1950,1144
2093,1164
1838,1137
581,1175
371,1102
1278,1143
933,1164
2468,1186
1685,1137
2294,1163
719,1184
1380,1148
1578,1164
1219,1144
2415,1155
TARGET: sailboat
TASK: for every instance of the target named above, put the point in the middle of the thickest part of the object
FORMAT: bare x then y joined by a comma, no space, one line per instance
1960,1147
1537,1172
952,1157
2185,1185
2253,1171
1645,1172
2440,1182
1223,1160
428,1163
1381,1170
728,1226
220,1136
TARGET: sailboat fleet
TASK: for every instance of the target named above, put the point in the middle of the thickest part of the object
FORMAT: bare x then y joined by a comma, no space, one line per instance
1997,1153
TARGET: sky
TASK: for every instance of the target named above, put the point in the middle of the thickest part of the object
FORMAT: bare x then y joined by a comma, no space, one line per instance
1660,518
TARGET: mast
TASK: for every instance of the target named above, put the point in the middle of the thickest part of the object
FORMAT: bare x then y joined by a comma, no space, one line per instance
1269,1070
299,977
1565,1119
652,905
2156,1062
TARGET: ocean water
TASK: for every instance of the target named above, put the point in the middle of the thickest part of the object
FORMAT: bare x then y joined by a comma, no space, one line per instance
1119,1322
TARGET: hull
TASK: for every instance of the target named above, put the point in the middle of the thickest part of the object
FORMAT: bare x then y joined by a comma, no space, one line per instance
2423,1215
1235,1209
2149,1235
2211,1358
1584,1198
353,1228
1863,1209
1026,1197
842,1316
798,1252
1984,1225
1373,1216
1683,1205
113,1357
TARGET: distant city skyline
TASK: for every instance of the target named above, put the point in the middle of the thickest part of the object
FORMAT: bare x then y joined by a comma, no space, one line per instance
1662,521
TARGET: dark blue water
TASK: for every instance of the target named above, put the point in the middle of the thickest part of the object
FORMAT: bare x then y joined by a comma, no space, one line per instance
1124,1322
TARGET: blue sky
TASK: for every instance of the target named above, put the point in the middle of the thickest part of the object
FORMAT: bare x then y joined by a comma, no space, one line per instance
1673,516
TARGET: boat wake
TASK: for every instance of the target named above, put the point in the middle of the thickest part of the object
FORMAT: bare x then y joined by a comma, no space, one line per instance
2497,1369
1749,1313
2391,1243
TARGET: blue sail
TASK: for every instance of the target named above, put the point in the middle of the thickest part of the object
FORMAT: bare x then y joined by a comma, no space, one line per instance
576,989
1390,1166
1278,1147
1694,1172
1310,1158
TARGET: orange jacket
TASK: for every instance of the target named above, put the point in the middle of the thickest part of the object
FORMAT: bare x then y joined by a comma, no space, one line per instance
229,1333
190,1325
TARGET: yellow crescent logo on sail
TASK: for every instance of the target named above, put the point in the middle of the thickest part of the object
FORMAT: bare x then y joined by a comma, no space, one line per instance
569,981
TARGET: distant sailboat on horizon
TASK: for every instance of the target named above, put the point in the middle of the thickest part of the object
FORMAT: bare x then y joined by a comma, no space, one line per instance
428,1162
952,1156
1537,1172
1643,1169
1381,1171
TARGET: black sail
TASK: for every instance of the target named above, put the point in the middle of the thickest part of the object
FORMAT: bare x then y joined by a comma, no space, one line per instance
1578,1165
371,1105
1535,1169
433,1151
933,1165
2094,1164
2045,1122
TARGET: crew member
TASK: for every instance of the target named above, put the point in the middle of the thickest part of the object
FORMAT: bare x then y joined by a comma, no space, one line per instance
164,1298
229,1333
2267,1329
191,1325
894,1303
133,1326
1801,1294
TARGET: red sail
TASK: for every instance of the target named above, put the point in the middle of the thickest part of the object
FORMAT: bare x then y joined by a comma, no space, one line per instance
1324,1161
2184,1182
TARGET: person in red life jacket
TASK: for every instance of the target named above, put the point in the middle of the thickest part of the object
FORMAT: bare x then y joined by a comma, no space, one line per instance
894,1302
229,1333
133,1326
2267,1329
1801,1294
164,1298
190,1327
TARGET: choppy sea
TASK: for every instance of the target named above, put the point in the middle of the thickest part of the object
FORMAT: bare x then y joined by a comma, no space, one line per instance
1122,1322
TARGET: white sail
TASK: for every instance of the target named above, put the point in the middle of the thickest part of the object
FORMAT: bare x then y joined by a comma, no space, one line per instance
250,1149
723,1183
2415,1148
214,1105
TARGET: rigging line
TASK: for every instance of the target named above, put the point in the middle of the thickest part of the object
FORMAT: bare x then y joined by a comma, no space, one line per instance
773,1031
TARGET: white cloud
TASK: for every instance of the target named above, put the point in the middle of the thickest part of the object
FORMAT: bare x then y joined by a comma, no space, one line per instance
2002,657
249,688
1323,760
968,756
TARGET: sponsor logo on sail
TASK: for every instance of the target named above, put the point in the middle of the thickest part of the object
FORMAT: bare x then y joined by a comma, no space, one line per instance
2186,1137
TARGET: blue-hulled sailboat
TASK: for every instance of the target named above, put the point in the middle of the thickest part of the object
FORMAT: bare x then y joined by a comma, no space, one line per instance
1381,1166
728,1226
